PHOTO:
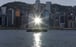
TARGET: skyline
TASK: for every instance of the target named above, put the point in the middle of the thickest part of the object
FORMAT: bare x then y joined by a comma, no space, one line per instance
61,2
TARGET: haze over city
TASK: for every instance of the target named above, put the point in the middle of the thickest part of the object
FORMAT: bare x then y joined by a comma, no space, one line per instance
62,2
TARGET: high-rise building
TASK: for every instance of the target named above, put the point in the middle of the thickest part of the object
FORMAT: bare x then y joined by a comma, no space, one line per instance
55,15
37,5
48,6
3,9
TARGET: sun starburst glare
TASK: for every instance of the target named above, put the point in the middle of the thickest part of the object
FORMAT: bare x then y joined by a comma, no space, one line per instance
37,20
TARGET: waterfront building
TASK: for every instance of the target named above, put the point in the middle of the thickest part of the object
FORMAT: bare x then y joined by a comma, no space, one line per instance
16,14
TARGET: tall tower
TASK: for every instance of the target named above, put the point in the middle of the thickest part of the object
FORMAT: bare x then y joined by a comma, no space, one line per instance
37,1
48,6
3,9
48,14
37,4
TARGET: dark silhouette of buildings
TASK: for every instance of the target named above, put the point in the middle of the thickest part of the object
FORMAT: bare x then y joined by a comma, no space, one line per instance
16,14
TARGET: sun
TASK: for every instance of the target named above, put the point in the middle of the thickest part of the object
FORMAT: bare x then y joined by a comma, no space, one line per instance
37,20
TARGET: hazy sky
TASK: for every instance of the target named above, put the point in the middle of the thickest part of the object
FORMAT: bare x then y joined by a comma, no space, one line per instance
62,2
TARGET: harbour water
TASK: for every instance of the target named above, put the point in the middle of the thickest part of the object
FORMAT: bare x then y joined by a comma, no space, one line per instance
51,38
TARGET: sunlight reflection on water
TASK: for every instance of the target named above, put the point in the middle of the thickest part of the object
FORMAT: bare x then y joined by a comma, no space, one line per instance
37,40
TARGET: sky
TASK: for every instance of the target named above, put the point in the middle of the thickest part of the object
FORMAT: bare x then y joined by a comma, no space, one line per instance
62,2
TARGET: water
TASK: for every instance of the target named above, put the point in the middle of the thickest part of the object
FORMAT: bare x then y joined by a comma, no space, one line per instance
52,38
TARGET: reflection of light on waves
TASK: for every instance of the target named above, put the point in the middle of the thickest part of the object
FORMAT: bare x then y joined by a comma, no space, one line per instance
37,41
